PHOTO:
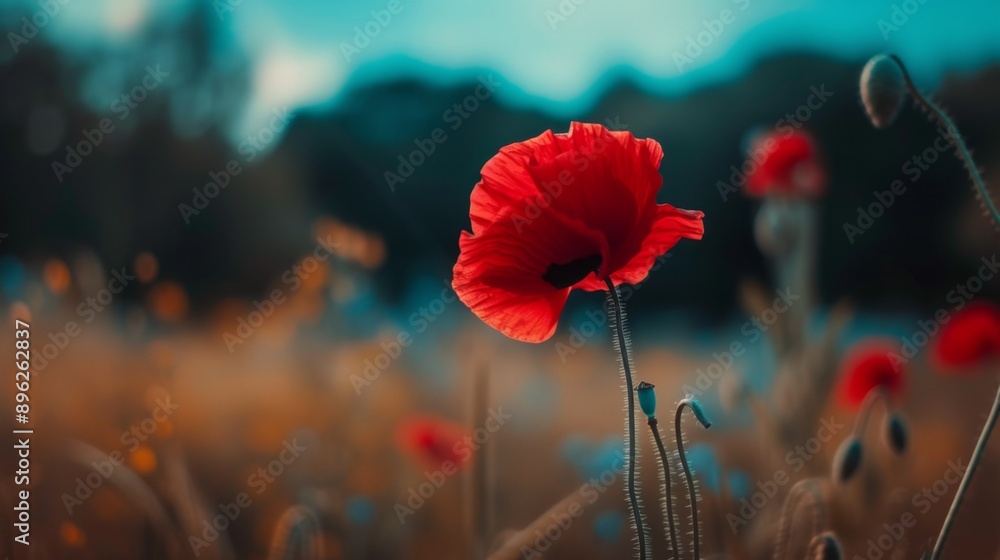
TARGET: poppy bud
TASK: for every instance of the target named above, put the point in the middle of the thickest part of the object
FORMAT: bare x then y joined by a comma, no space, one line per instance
647,398
883,89
827,547
699,412
847,460
897,436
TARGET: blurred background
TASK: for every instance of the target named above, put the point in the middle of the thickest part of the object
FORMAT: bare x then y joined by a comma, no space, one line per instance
233,245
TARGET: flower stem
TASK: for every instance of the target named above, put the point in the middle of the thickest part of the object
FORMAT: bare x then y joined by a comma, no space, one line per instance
877,394
622,343
692,493
960,149
977,454
667,476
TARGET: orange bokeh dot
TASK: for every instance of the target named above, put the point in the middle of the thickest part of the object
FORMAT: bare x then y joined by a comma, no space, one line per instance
71,535
143,460
146,267
56,275
19,310
168,301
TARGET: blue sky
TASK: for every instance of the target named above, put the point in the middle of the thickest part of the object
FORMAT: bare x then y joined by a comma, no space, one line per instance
553,55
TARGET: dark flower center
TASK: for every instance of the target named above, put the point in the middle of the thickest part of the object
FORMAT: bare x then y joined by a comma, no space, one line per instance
566,274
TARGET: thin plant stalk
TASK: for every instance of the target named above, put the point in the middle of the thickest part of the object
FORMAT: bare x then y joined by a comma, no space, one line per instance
692,493
666,475
874,396
622,346
960,148
977,455
963,153
804,489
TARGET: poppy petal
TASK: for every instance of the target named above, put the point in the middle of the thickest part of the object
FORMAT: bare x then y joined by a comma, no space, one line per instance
506,181
500,273
670,226
970,338
608,180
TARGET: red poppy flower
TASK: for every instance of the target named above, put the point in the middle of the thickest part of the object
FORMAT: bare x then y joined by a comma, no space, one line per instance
969,338
787,164
560,212
869,365
433,441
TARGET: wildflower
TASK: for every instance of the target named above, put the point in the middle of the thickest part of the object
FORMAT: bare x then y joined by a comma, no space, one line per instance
868,365
560,212
787,165
433,441
971,337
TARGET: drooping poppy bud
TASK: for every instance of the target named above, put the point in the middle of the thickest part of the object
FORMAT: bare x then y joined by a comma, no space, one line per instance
883,90
848,460
647,398
897,435
826,546
699,412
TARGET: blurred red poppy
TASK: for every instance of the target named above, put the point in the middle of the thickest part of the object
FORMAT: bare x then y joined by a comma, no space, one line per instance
970,338
868,365
559,212
787,164
433,441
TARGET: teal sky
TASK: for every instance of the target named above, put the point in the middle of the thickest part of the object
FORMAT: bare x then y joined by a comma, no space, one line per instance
552,55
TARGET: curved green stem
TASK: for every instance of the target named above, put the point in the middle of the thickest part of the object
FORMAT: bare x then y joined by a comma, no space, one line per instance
977,455
962,151
692,493
876,395
619,326
667,476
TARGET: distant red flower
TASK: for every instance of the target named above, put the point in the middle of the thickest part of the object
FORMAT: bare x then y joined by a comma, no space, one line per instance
868,365
787,164
969,338
433,441
560,212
